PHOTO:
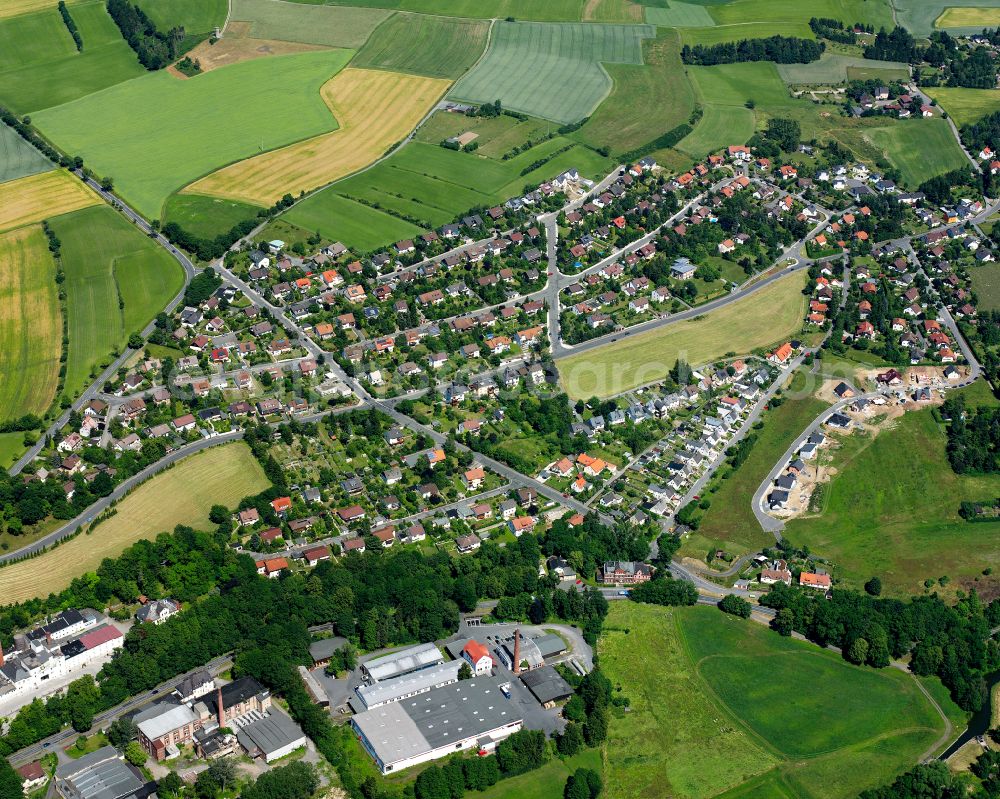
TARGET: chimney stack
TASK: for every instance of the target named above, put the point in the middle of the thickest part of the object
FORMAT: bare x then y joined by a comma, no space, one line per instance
1,654
517,652
222,710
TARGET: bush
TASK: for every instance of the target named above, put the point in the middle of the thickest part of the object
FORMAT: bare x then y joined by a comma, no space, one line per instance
736,605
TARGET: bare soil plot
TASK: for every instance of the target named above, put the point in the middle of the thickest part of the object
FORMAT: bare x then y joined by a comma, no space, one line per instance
234,49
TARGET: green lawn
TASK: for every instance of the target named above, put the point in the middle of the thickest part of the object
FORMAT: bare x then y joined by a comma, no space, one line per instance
919,148
892,510
646,101
986,284
40,66
159,133
719,126
722,706
11,448
359,227
102,256
547,11
543,783
833,68
734,84
437,47
206,216
551,71
966,105
729,523
18,158
197,17
328,25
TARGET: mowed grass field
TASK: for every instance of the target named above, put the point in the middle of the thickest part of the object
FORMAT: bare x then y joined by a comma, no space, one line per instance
722,706
547,11
892,510
680,15
33,198
159,133
11,448
437,47
974,17
182,495
769,316
331,26
919,16
986,284
375,109
197,17
206,216
356,225
966,106
919,148
551,71
729,524
104,259
645,102
30,324
719,126
833,68
19,159
40,66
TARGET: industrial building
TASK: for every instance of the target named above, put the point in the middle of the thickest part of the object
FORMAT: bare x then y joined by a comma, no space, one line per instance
405,661
101,775
371,696
271,736
470,714
547,686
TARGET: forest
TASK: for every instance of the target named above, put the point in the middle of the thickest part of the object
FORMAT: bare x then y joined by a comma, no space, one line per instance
781,49
973,437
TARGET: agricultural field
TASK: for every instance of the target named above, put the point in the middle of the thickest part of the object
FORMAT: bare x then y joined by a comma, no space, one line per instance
433,185
833,68
986,284
645,102
437,47
40,66
207,217
327,25
495,136
159,133
729,524
33,198
375,110
748,30
743,12
768,316
181,495
920,17
11,448
548,11
107,263
551,71
719,126
706,718
970,17
30,324
198,17
19,159
918,148
734,84
680,15
892,509
612,11
966,106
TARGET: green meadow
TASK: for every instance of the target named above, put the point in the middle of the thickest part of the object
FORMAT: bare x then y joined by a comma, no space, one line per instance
437,47
919,148
206,217
158,133
328,25
19,159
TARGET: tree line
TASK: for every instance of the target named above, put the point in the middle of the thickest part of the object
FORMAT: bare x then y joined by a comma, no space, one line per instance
154,48
781,49
70,25
973,437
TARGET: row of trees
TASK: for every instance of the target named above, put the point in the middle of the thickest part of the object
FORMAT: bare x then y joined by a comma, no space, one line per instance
154,48
70,25
782,49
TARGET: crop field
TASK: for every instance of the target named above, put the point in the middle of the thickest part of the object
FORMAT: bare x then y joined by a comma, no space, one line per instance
919,148
680,15
833,68
646,100
770,315
892,510
13,8
40,66
548,11
105,257
874,12
437,47
19,159
704,718
160,133
374,109
197,17
33,198
181,495
359,227
986,284
431,184
30,325
972,17
551,71
612,11
729,524
331,26
206,216
734,84
494,135
966,106
920,16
